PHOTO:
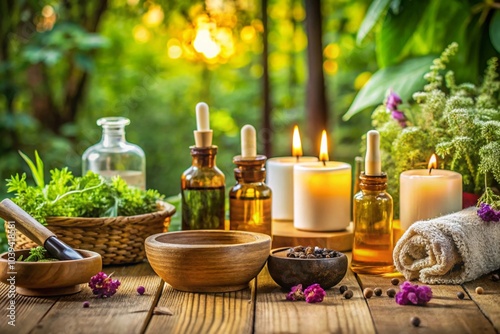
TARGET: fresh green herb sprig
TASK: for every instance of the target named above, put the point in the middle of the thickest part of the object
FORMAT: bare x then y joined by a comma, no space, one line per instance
37,254
88,196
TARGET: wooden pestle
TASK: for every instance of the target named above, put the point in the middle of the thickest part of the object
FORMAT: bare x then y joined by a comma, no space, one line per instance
41,235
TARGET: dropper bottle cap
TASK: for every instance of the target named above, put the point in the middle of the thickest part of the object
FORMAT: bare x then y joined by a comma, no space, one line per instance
203,134
248,142
373,164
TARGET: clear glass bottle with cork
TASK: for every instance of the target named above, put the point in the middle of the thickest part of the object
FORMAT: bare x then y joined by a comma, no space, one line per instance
372,215
250,199
113,155
203,184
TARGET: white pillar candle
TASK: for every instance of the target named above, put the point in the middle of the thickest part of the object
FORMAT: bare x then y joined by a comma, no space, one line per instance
280,180
425,196
322,196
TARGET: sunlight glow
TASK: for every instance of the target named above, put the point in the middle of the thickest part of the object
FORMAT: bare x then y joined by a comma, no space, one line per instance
141,34
205,44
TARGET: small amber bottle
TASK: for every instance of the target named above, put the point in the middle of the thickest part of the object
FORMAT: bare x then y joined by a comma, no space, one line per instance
203,191
250,199
372,215
203,184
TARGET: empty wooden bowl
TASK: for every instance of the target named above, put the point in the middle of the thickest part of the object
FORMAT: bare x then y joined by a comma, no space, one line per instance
48,278
208,260
288,272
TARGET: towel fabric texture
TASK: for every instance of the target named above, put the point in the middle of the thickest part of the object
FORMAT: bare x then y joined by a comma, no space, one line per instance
451,249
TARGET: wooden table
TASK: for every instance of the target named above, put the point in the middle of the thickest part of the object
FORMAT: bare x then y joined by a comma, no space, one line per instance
261,308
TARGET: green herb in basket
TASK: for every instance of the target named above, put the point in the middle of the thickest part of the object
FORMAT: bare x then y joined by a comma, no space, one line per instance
68,196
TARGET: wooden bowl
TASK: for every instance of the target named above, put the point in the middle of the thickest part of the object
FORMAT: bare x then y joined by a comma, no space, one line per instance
288,272
208,260
48,278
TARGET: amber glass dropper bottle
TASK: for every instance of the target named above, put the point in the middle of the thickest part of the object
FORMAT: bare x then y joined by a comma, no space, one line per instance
250,199
372,214
203,184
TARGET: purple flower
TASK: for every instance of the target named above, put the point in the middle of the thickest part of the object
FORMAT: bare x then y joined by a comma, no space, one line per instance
296,293
487,213
398,115
103,286
314,293
393,100
413,294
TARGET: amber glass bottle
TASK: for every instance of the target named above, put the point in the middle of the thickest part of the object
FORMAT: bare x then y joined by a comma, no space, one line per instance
372,215
203,191
250,199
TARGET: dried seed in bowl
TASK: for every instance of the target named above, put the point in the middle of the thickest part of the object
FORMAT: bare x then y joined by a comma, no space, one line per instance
342,289
460,295
391,292
316,252
395,281
378,292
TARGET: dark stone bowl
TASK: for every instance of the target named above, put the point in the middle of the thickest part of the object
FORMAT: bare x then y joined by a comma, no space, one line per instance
288,272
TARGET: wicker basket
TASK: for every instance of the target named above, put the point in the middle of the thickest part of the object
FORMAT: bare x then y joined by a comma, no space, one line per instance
119,240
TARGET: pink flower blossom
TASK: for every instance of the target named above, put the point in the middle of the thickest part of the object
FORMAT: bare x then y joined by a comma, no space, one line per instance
103,286
296,293
314,293
413,294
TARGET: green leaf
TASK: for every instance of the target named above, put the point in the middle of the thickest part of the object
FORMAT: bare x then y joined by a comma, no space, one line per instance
495,30
397,31
373,14
37,174
39,167
405,79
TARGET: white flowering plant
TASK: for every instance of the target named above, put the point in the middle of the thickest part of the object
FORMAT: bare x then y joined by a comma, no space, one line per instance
458,122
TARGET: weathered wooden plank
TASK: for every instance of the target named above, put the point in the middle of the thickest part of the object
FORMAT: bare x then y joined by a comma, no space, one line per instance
231,312
28,311
489,301
125,312
445,313
274,314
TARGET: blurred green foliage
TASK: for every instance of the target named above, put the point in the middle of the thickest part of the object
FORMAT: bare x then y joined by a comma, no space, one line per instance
410,33
131,74
127,52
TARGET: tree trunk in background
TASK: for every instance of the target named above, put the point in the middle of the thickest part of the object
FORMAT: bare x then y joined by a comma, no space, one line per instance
316,107
50,112
267,130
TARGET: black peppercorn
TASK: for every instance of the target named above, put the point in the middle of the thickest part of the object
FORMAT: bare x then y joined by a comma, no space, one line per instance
391,292
342,289
415,321
460,295
395,281
378,292
368,293
348,294
495,277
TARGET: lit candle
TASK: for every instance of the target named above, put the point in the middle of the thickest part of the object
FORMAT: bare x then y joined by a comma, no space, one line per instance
322,193
428,193
280,178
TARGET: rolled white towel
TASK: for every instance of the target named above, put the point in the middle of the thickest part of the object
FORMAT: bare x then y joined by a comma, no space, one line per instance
451,249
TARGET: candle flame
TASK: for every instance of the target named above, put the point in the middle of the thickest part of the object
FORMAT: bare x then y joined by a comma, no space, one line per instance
432,163
297,145
323,151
